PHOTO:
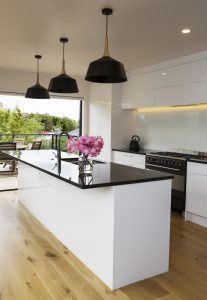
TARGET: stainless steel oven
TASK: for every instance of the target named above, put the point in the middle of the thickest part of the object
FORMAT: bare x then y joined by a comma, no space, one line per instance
175,166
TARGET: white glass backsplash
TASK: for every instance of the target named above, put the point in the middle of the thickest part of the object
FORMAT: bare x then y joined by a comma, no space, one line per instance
173,130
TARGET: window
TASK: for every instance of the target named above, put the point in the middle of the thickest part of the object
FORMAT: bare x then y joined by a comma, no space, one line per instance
38,117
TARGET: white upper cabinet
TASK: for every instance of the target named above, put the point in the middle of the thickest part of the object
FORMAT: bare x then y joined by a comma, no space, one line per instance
138,99
177,95
138,91
181,84
178,75
203,64
193,93
138,83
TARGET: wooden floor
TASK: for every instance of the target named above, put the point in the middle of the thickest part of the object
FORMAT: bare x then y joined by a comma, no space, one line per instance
34,265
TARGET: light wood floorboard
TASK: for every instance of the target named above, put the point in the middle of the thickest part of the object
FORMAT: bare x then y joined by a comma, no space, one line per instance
35,265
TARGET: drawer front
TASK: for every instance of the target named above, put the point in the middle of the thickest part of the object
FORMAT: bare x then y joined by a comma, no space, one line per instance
130,157
197,184
196,204
121,162
138,165
130,164
197,168
121,156
138,158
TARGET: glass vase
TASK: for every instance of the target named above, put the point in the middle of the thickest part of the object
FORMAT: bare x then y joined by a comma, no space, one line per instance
85,165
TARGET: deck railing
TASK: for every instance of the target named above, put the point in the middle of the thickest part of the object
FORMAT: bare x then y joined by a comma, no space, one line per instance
49,140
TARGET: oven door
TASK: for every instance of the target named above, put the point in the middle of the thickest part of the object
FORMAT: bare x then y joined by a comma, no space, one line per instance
178,192
178,187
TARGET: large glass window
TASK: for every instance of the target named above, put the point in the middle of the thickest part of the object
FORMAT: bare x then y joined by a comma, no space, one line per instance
33,119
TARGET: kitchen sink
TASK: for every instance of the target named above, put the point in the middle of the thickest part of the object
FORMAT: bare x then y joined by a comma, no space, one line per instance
74,160
70,159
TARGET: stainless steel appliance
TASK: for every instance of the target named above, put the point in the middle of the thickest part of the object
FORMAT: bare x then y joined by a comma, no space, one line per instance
175,164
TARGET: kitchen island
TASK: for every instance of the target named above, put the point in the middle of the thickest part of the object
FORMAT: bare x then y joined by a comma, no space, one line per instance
116,221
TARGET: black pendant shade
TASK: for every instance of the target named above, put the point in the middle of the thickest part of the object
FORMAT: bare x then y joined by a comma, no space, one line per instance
106,69
63,83
37,91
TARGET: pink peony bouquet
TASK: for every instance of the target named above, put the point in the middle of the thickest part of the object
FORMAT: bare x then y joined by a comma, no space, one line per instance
87,145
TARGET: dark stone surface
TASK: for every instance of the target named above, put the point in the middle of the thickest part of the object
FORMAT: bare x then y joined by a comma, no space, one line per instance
103,174
199,159
141,151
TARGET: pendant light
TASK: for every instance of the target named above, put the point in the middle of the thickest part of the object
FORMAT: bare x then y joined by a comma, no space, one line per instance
37,91
106,69
63,83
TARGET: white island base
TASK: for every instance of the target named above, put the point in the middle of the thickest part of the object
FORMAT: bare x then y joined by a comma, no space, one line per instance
120,232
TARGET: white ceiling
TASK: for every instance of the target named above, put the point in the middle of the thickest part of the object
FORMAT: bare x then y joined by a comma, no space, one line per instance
141,32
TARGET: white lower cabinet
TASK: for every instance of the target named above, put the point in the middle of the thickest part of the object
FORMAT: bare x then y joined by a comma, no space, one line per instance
129,159
196,193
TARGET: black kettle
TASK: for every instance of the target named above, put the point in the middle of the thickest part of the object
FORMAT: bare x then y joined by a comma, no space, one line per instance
134,144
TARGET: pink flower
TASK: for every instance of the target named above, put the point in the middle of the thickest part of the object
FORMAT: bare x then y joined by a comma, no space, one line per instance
71,145
88,145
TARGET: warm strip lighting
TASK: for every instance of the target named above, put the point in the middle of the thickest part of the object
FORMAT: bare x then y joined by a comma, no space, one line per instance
172,108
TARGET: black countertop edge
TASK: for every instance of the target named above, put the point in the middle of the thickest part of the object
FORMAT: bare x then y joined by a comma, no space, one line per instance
197,160
129,182
45,171
97,185
141,151
83,186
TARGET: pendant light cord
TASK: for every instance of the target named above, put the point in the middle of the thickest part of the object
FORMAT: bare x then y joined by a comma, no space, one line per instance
63,63
106,47
38,75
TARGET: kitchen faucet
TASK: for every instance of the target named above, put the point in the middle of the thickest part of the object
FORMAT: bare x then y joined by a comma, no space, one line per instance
59,150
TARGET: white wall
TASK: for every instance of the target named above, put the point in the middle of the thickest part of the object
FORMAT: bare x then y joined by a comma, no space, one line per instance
123,121
107,119
100,96
173,130
19,81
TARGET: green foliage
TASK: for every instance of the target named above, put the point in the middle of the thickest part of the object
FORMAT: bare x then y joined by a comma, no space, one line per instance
14,122
4,122
49,122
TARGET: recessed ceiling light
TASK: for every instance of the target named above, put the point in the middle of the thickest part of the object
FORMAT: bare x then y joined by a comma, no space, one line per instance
185,30
164,73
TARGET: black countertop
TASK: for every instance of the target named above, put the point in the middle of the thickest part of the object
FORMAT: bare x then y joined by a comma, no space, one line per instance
103,174
199,159
141,151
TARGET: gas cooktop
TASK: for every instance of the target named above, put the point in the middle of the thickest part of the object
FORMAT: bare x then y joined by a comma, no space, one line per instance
177,154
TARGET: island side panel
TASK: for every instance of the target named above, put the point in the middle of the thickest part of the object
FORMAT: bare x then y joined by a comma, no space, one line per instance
142,231
82,220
